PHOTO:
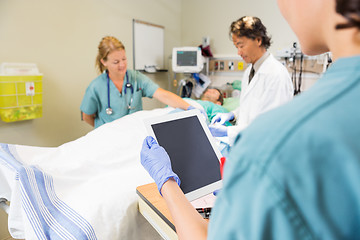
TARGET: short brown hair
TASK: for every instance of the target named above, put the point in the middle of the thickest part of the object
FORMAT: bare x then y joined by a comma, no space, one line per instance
221,97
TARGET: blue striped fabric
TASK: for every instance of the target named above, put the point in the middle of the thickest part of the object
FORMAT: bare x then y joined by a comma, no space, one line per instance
49,216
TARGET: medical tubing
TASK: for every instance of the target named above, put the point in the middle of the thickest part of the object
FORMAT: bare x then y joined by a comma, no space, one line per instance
300,73
108,89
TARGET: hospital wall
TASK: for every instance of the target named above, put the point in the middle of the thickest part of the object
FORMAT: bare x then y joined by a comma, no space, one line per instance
61,37
213,18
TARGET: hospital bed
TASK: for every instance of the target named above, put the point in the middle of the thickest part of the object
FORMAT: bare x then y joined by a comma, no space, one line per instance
84,189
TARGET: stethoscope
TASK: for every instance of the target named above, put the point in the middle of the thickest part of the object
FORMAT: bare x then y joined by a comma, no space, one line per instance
109,110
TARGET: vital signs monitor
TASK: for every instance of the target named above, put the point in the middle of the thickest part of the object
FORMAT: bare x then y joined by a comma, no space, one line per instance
187,60
192,150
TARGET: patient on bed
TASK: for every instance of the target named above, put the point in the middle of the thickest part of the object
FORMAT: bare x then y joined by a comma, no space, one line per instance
211,102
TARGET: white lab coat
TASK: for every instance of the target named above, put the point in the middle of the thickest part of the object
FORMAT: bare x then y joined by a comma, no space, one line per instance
270,87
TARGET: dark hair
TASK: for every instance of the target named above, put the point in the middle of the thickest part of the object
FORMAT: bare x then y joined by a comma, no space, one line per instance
350,9
221,98
250,27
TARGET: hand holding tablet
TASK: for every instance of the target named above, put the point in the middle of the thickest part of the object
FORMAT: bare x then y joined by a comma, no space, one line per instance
156,161
192,151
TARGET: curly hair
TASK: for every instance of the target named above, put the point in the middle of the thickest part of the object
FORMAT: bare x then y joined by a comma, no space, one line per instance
250,27
350,9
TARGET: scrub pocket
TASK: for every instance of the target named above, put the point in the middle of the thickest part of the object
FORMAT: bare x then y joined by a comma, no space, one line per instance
136,105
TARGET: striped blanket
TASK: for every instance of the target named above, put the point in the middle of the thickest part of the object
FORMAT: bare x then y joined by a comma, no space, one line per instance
84,189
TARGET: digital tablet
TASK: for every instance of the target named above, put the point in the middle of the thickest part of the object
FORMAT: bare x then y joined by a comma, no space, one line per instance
192,151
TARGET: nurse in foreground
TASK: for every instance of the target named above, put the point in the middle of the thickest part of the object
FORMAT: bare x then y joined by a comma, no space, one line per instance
300,178
118,91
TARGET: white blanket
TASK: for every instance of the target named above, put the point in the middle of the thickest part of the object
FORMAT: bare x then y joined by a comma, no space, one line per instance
84,189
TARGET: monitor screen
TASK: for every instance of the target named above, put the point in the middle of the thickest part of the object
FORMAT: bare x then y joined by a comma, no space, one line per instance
186,58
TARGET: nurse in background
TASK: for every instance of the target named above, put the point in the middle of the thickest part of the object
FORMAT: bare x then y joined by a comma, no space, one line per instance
118,91
266,82
294,173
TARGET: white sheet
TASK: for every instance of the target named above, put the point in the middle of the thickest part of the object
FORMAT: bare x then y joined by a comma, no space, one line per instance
95,175
194,103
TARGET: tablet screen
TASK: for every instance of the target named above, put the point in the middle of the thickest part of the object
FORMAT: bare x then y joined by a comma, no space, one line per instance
192,154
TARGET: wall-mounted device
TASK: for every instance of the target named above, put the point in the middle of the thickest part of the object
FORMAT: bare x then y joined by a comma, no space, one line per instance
227,64
20,92
187,60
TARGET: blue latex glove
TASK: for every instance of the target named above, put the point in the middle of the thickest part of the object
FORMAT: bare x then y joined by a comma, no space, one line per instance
223,117
156,161
202,112
216,192
218,130
190,108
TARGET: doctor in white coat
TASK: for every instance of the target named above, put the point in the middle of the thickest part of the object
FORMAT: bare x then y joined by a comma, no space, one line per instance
266,82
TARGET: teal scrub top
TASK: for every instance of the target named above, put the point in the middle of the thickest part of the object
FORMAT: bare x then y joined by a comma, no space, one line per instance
95,100
295,172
